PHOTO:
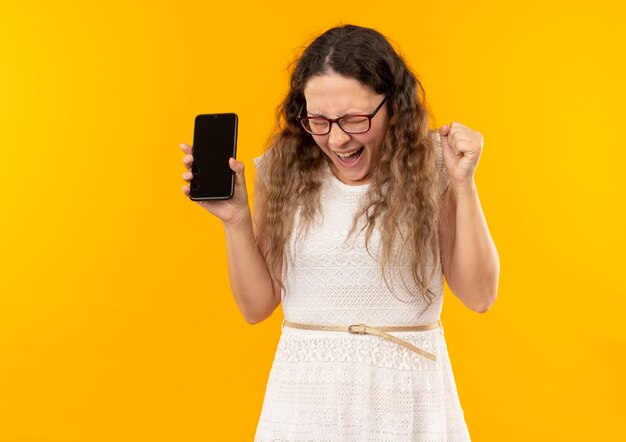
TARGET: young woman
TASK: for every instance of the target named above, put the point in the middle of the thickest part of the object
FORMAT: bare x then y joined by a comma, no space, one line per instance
359,211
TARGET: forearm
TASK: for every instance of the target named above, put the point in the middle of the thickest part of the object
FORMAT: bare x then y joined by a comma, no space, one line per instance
475,265
249,277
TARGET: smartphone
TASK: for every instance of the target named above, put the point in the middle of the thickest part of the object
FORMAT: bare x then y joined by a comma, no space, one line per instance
214,142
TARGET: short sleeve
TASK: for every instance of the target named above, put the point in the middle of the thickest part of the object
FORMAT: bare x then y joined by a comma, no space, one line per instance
444,179
260,165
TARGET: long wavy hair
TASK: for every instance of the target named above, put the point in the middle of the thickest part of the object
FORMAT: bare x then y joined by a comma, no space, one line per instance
402,197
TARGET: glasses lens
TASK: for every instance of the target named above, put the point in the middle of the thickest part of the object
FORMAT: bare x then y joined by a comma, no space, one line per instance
315,125
355,124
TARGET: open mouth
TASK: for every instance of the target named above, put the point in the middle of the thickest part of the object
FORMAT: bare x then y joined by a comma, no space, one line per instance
352,158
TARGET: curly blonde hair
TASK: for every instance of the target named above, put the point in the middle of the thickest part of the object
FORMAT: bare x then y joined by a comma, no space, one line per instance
404,205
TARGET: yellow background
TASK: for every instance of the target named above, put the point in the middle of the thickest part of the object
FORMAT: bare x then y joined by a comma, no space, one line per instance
116,319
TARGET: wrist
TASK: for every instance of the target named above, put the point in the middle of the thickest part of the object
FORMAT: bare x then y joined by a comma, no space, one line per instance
240,221
464,188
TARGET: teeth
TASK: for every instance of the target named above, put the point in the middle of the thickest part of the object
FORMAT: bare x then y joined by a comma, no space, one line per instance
344,155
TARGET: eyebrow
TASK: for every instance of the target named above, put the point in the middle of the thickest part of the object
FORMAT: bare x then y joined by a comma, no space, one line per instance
311,114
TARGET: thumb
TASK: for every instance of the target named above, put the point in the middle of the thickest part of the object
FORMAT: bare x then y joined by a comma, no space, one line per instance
444,131
238,168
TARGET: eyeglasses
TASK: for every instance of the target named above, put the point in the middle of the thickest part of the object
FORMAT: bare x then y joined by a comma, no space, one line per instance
352,124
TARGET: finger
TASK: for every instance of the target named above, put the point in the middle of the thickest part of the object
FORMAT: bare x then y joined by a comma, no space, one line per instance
186,190
187,160
187,175
185,147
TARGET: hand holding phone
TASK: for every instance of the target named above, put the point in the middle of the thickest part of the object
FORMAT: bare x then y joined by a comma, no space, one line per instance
229,210
214,142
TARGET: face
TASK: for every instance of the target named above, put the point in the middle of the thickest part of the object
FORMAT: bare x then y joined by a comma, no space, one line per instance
333,96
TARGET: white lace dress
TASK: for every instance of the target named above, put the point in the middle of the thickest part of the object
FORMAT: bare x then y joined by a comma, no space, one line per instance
337,386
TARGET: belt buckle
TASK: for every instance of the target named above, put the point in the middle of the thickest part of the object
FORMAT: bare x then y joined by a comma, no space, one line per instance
359,331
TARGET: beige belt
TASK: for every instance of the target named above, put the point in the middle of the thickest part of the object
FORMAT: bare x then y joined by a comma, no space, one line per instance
363,329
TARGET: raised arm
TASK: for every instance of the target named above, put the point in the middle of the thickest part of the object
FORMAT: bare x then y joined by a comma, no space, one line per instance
470,259
256,296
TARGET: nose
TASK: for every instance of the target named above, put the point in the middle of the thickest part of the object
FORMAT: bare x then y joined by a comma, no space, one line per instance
337,137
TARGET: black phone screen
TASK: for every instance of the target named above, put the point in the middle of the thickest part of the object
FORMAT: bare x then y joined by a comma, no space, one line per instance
214,142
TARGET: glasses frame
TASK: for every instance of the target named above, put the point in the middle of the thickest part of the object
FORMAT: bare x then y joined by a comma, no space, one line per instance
330,121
